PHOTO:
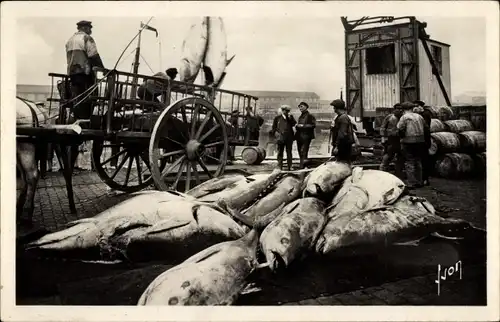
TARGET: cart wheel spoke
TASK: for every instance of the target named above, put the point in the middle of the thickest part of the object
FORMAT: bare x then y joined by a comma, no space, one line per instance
203,124
146,162
129,168
120,166
179,175
209,145
172,166
188,176
196,174
212,157
171,154
139,169
176,142
194,119
183,113
116,155
181,131
204,167
206,135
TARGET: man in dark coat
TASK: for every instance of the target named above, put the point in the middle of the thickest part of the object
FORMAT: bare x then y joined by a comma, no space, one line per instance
305,132
342,133
283,131
424,111
253,124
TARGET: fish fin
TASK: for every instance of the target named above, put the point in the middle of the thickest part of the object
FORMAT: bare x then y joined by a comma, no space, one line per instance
228,61
415,242
357,174
262,265
265,220
235,213
208,254
250,288
194,212
249,179
438,235
167,224
81,221
209,76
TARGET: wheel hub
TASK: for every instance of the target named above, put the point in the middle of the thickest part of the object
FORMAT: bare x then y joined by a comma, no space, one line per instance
194,149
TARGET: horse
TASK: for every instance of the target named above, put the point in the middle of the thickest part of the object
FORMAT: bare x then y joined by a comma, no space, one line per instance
28,114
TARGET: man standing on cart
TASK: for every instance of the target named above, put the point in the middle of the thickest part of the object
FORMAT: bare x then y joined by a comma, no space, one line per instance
151,89
82,56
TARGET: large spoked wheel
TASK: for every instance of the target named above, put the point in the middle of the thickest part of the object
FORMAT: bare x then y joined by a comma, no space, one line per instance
187,134
123,166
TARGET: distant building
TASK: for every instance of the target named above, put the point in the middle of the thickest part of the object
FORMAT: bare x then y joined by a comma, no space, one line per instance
35,93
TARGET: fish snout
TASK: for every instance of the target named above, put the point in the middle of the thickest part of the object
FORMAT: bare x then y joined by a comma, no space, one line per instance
277,262
320,245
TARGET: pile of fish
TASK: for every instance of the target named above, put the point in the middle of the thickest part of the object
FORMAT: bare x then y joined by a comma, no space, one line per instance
219,228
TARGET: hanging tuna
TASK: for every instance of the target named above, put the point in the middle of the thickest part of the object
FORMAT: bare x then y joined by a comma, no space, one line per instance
193,51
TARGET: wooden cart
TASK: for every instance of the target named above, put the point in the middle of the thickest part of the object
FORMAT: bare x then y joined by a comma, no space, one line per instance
175,142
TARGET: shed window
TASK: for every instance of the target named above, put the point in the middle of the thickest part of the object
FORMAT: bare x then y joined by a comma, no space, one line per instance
437,56
381,60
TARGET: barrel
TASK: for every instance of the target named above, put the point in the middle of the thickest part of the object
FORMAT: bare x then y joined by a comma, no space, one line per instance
437,126
455,165
458,126
442,142
253,155
443,113
480,163
473,141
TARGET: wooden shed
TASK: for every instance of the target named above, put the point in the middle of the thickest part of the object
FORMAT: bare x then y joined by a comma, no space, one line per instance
393,62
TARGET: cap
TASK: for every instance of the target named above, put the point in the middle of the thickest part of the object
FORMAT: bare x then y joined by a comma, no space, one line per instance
83,23
397,105
419,102
304,103
338,103
285,107
407,105
418,109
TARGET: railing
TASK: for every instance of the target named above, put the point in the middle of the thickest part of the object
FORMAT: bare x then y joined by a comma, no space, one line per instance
113,93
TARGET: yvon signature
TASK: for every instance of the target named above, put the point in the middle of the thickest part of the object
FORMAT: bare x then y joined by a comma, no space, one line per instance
444,273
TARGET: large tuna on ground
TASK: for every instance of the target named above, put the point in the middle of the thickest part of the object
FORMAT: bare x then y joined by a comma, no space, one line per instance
245,192
294,232
145,209
282,193
186,229
214,276
408,218
323,180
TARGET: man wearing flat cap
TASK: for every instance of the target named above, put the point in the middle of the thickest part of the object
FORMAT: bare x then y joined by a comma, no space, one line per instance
283,131
390,140
82,56
342,133
425,112
305,132
412,129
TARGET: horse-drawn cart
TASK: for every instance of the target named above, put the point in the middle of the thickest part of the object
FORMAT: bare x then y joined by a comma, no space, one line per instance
183,136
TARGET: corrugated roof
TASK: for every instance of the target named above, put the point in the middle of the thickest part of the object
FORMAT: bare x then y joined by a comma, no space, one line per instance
290,94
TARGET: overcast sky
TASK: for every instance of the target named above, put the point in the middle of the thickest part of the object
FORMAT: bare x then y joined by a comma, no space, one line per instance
272,53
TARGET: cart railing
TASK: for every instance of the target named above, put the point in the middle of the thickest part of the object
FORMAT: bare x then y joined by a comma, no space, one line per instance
119,103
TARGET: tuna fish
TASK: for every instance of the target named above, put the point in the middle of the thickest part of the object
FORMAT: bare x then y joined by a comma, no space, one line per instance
366,189
186,228
214,185
362,191
245,192
142,210
293,232
215,60
193,51
384,225
214,276
322,181
282,193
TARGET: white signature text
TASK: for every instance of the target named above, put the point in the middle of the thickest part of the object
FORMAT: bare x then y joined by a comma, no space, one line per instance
444,273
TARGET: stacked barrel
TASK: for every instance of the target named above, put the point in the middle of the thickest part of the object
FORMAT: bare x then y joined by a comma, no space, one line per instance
457,148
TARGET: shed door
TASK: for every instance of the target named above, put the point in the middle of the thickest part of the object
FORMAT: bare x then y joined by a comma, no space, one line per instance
354,82
408,71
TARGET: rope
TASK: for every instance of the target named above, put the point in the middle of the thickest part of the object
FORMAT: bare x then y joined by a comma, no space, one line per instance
152,71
